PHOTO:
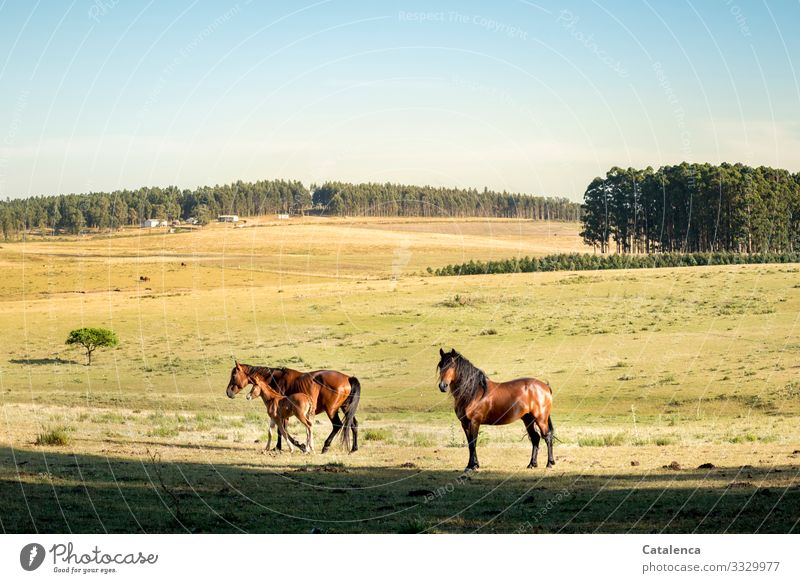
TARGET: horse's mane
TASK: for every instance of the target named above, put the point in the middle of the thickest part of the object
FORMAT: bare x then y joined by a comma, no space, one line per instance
472,381
266,373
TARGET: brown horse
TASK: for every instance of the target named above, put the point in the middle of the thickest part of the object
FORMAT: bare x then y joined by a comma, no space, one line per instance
280,408
481,401
330,390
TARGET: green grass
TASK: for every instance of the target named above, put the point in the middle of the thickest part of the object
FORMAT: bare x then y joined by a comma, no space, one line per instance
747,437
53,436
376,434
604,440
423,440
163,431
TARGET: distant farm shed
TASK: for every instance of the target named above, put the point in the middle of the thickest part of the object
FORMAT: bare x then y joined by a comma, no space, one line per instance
228,218
151,223
283,216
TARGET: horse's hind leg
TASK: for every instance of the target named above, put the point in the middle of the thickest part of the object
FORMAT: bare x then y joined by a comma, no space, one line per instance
308,422
545,427
289,438
530,426
310,417
295,442
355,435
337,426
309,436
282,431
549,441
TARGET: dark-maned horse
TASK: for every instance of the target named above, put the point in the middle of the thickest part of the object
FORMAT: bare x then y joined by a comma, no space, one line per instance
330,390
481,401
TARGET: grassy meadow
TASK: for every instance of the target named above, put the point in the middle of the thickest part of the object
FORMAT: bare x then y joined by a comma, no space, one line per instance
655,374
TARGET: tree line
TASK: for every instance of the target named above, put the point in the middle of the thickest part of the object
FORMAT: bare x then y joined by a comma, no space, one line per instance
402,200
589,262
693,208
72,213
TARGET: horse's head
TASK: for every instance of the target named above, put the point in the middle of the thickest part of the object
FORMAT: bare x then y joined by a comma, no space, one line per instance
238,381
254,392
446,368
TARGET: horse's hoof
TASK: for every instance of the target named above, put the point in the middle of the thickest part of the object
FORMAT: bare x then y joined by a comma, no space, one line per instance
354,450
324,449
530,466
550,464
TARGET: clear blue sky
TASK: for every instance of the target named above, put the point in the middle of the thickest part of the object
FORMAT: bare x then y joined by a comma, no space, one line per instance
536,97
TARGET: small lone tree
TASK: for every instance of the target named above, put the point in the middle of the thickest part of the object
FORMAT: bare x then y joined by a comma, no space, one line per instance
91,339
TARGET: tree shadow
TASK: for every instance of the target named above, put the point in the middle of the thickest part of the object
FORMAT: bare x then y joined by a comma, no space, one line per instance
56,492
42,361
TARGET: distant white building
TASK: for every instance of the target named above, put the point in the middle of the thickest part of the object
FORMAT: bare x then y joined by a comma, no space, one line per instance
163,224
151,223
228,218
283,216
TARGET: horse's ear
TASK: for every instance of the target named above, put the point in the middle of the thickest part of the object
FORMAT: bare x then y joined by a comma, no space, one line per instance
441,352
453,351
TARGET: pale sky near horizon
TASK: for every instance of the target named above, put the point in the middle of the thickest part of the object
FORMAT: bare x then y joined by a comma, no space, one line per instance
535,97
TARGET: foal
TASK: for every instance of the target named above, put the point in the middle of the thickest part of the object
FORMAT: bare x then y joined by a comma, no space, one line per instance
281,408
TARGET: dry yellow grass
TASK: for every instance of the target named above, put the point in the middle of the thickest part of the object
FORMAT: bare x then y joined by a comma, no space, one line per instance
690,365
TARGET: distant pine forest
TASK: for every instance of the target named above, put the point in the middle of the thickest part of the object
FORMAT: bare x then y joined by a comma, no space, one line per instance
693,208
398,200
596,262
684,208
77,213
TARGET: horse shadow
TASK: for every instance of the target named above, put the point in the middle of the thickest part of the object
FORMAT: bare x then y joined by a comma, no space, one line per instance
42,361
48,491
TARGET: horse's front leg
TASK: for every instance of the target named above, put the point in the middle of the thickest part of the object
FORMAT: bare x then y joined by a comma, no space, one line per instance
270,427
471,432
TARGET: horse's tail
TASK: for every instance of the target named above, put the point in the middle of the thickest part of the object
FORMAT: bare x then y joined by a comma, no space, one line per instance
350,405
550,427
